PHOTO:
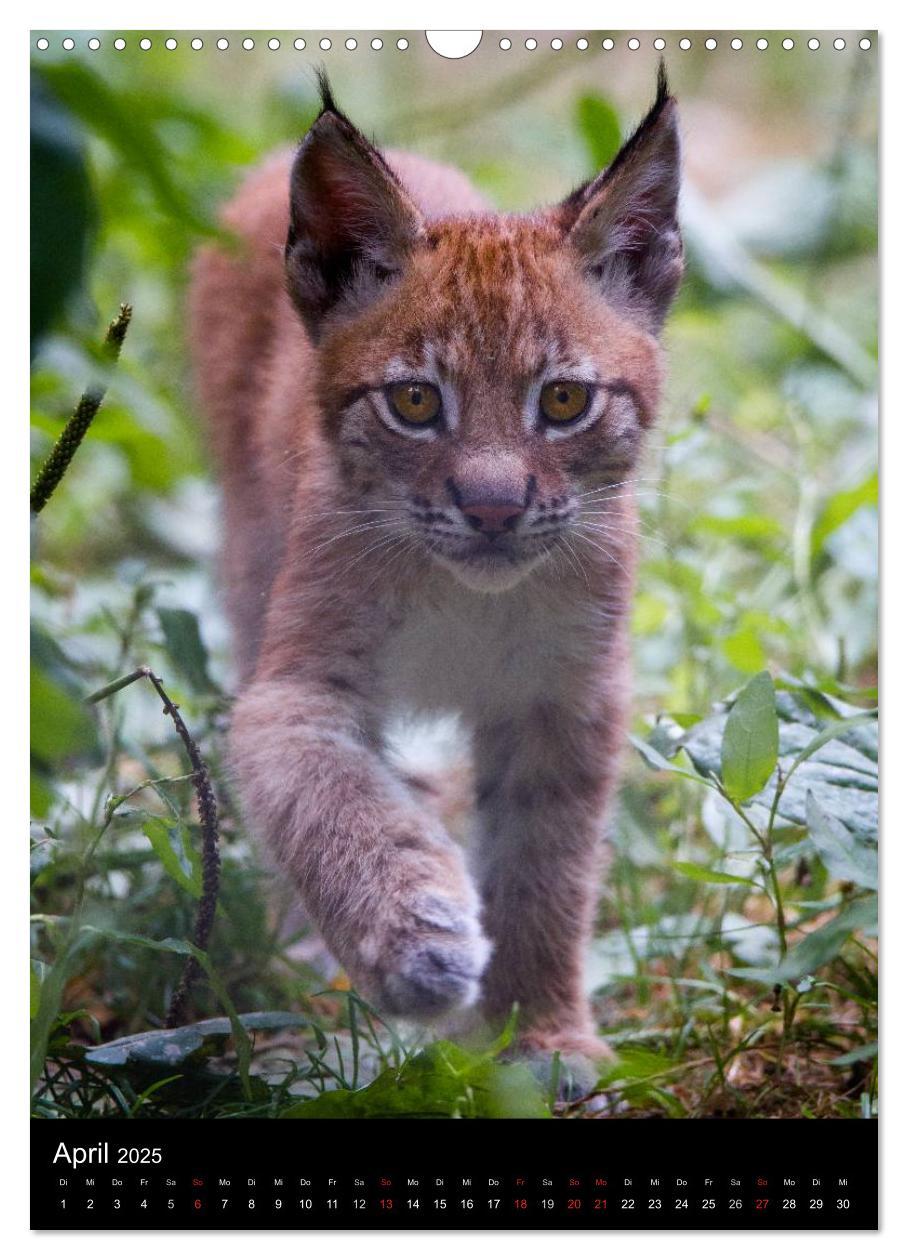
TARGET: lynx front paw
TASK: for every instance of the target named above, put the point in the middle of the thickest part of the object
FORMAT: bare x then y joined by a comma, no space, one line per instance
432,958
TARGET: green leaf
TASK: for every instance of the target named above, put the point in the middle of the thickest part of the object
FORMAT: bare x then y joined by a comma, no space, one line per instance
844,856
704,875
750,741
600,127
443,1080
744,650
62,209
835,730
656,761
169,945
835,760
174,848
184,646
857,1055
116,116
840,507
176,1047
816,949
61,726
35,976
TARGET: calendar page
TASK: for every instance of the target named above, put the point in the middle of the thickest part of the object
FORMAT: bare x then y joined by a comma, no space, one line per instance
454,651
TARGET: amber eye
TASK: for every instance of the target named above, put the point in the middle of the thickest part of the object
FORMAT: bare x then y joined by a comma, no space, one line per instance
415,402
564,401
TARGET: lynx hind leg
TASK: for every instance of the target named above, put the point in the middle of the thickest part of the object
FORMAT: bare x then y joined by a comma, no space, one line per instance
569,1064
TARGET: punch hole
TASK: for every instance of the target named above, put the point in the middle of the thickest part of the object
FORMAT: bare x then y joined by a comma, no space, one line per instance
557,44
196,43
119,44
788,44
248,44
737,44
42,44
170,44
223,43
274,44
530,44
94,43
145,44
403,44
504,44
299,44
762,44
684,44
865,43
69,44
658,44
452,44
813,44
608,44
838,44
350,44
324,44
377,44
712,44
583,44
633,44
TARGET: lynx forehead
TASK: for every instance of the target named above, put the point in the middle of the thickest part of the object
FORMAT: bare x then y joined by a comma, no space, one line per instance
427,417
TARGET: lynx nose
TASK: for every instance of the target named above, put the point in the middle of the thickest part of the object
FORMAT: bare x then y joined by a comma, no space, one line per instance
492,518
492,505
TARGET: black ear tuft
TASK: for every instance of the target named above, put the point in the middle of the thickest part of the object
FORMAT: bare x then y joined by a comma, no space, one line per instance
352,224
624,223
329,105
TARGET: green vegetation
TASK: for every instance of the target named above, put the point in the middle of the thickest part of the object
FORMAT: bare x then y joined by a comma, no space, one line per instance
734,967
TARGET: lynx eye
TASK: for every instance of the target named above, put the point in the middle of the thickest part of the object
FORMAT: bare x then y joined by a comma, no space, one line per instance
415,402
563,401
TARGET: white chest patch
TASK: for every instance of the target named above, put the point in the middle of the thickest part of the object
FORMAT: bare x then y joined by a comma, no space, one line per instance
480,656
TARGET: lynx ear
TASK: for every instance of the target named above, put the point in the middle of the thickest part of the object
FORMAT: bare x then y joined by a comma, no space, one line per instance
352,225
624,224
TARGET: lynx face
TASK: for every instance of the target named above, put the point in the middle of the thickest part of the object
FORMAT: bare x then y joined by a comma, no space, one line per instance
485,379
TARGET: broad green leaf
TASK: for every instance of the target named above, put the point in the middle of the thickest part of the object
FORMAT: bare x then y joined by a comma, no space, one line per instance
840,507
600,127
817,948
62,209
183,642
750,741
443,1080
41,796
174,1047
116,117
170,945
175,852
703,875
657,762
835,730
840,767
61,726
844,856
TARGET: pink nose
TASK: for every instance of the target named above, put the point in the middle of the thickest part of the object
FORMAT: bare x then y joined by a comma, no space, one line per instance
492,518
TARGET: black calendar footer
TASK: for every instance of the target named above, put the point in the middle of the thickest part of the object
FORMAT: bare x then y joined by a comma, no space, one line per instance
445,1174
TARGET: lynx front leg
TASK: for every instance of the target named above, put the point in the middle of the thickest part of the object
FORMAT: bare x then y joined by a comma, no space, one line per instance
385,885
542,789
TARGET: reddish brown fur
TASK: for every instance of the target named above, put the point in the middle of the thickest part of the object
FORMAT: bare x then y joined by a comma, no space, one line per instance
356,586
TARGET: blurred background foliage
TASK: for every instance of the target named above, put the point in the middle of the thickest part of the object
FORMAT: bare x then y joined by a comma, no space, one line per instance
759,516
